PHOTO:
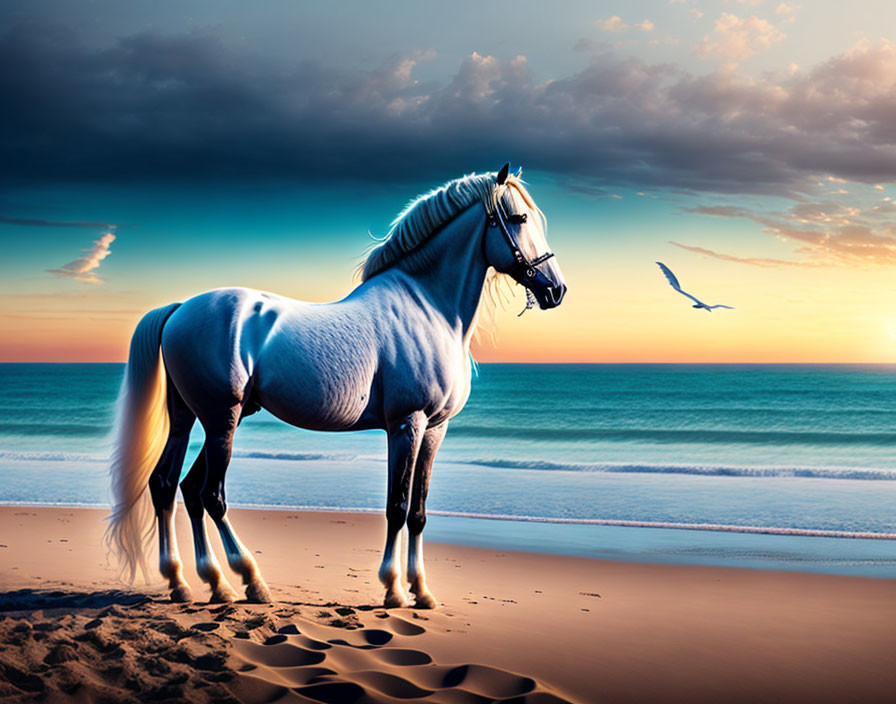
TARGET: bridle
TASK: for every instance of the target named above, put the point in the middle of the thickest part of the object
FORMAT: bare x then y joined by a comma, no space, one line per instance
524,270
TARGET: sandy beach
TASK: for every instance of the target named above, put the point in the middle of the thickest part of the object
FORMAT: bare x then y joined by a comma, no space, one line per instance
513,626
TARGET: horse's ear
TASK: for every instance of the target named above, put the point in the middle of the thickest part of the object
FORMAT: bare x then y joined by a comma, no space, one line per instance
502,174
519,173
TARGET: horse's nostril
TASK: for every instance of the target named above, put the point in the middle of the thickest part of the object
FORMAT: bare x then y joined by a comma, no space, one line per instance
557,293
553,295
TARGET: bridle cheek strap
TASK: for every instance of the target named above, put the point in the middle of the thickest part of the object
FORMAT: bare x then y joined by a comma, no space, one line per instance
524,271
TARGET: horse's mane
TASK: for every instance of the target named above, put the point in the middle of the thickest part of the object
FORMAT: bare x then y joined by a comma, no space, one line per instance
426,214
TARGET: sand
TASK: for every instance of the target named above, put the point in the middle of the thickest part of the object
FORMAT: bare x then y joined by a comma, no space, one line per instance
513,627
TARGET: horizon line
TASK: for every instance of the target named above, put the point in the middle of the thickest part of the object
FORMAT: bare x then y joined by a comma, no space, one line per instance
573,363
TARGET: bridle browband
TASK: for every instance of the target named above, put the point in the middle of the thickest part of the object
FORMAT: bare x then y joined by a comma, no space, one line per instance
524,270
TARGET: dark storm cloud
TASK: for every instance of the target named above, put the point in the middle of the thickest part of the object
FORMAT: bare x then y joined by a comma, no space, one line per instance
167,107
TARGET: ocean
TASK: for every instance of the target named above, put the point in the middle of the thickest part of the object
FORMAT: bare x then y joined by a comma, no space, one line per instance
768,466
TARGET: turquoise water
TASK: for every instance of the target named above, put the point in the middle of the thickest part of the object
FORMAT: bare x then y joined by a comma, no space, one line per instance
803,449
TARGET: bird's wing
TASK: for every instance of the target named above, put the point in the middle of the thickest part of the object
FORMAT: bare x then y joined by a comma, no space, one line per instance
677,286
694,299
670,276
719,305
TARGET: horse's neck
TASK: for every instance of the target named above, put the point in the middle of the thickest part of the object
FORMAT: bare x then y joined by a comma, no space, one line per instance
456,269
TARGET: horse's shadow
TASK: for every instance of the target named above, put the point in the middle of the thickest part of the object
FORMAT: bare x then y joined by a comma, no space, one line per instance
39,599
24,600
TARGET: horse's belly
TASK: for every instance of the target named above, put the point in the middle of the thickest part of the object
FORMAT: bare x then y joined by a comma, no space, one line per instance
315,394
315,370
318,412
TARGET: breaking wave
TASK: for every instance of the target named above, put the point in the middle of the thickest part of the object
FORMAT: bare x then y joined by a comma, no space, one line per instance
860,473
678,435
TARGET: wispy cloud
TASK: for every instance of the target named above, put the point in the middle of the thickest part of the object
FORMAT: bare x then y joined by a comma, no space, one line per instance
827,232
41,222
752,261
83,268
615,25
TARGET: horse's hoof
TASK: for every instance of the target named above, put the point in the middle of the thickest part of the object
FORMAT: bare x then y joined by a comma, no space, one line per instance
258,593
181,594
395,600
223,594
425,601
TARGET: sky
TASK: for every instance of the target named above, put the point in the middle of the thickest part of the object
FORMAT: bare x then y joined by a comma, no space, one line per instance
152,151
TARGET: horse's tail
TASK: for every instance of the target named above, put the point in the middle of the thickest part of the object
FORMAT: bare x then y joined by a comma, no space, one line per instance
141,431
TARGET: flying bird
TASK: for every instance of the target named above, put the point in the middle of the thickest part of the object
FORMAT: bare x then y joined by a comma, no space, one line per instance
677,286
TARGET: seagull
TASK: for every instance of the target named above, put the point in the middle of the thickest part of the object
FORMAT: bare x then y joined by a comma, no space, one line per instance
677,286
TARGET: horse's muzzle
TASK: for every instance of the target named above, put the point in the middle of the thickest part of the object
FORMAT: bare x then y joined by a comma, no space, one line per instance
551,296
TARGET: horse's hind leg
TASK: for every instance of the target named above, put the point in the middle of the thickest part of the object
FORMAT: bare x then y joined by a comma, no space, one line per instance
242,562
163,489
432,440
217,451
405,437
206,563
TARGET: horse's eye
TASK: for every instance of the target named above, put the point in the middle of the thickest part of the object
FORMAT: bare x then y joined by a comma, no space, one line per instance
517,218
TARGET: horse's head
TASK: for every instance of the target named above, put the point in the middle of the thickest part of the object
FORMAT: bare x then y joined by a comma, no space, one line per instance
515,242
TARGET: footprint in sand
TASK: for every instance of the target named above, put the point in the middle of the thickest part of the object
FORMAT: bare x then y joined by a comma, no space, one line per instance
480,680
278,654
365,639
297,639
403,657
390,685
404,628
206,627
310,661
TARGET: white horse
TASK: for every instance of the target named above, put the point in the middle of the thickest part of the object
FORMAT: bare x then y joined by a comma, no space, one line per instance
394,354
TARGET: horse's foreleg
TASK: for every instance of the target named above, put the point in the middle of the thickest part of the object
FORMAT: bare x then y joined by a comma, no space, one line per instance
405,437
206,563
218,449
432,440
